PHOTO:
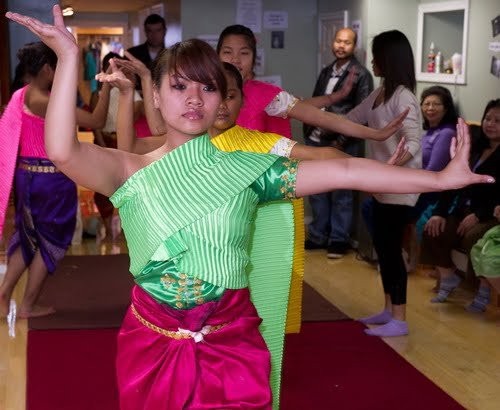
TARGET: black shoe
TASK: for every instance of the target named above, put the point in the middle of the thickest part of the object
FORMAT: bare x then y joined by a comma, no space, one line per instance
337,249
308,244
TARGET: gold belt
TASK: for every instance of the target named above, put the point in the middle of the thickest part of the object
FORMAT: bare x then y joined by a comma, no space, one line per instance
45,169
181,333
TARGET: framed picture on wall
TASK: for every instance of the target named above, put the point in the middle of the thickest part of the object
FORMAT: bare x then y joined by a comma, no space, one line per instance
277,39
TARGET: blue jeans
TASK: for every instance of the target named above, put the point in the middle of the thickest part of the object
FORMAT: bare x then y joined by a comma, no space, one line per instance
332,211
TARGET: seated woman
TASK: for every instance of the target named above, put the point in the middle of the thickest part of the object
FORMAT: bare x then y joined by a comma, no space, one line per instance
473,213
440,122
485,258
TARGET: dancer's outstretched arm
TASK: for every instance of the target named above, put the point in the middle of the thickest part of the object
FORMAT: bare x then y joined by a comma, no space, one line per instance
372,176
102,170
337,123
335,97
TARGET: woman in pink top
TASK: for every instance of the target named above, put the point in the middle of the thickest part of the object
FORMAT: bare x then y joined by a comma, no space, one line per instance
46,200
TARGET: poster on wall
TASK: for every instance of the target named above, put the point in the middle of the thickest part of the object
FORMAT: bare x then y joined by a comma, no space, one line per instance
249,13
495,66
358,29
494,46
277,39
276,20
495,26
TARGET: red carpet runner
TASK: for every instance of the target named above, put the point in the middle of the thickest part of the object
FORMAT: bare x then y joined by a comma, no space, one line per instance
329,365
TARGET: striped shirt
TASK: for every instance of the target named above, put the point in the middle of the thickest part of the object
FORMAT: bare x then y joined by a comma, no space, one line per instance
195,207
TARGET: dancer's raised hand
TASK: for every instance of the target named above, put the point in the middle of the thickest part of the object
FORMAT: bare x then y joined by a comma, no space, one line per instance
134,65
56,36
116,77
337,96
392,127
458,173
399,154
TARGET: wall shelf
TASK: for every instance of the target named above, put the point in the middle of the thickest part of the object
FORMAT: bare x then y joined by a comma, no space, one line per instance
446,25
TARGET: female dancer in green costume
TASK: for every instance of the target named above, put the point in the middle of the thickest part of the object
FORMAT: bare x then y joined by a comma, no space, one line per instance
190,338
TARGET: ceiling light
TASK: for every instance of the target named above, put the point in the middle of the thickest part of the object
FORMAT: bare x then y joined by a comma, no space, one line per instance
68,11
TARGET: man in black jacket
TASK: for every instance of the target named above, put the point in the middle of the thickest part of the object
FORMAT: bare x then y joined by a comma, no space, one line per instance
155,30
332,212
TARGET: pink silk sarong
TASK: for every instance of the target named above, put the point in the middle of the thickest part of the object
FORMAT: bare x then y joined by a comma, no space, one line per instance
257,96
10,132
228,369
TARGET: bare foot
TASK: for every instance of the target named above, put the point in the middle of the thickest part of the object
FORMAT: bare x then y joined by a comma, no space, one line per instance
36,311
432,274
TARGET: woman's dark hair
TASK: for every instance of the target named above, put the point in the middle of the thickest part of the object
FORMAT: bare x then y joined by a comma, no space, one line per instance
32,57
450,114
192,59
393,56
235,73
239,30
107,57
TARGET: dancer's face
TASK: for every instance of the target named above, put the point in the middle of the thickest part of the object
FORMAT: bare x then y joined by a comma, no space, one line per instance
230,107
188,107
236,50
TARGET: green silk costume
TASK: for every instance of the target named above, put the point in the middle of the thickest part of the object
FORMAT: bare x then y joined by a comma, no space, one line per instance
191,212
485,254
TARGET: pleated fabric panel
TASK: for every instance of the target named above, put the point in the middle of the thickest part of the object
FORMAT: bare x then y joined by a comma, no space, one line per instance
10,133
271,256
238,138
294,315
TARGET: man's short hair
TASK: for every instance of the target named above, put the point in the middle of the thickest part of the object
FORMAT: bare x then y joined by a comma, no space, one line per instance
350,29
155,19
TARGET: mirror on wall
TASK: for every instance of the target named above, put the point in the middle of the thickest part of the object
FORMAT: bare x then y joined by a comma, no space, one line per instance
442,42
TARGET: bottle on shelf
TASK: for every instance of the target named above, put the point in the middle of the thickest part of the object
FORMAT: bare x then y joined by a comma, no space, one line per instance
431,59
437,62
447,67
456,63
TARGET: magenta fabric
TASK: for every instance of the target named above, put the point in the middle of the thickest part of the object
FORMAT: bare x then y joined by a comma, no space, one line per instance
32,143
228,369
141,128
10,133
257,96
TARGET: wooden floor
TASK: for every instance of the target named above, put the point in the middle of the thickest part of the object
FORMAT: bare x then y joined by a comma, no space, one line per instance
459,351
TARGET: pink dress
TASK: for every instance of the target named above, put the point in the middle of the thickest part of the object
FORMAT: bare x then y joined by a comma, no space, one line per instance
257,96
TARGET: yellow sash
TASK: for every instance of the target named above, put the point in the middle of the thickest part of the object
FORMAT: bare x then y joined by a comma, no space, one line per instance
238,138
